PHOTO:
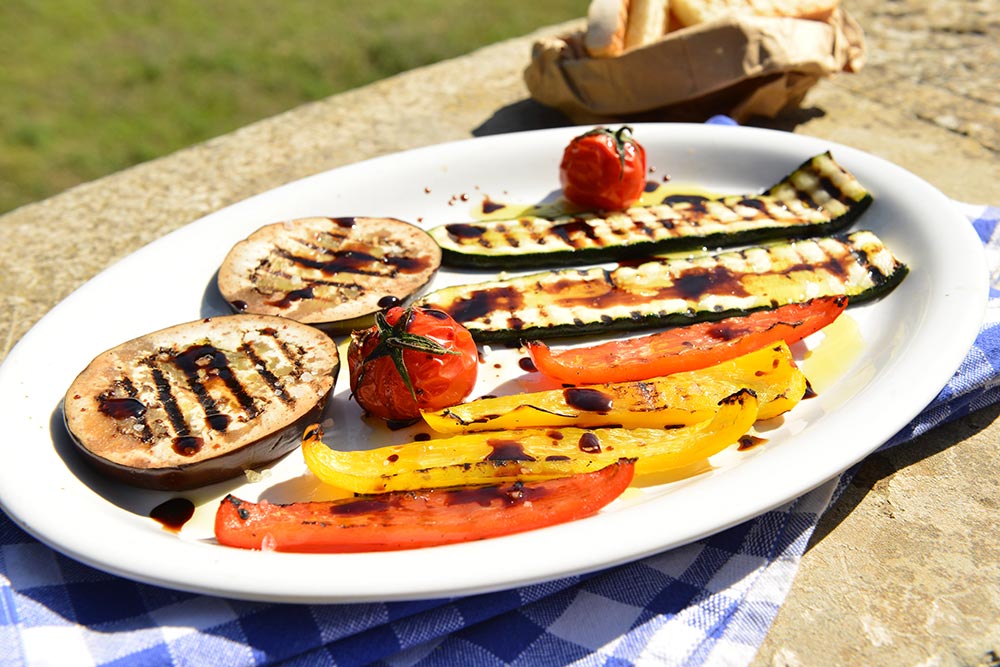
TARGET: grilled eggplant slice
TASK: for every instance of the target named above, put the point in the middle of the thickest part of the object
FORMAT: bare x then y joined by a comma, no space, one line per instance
333,273
200,402
668,292
818,198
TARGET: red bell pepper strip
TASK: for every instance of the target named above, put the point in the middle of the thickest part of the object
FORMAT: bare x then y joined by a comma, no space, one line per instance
685,348
413,519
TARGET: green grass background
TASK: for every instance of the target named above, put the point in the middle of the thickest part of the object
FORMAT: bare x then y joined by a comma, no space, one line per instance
89,87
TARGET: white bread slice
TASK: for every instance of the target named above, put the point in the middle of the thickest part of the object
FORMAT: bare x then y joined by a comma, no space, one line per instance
647,22
607,21
801,9
693,12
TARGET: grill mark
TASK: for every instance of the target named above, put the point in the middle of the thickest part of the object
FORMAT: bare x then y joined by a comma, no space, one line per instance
146,433
265,373
128,409
689,212
164,392
318,246
577,226
805,198
691,284
827,184
314,282
878,277
190,363
292,356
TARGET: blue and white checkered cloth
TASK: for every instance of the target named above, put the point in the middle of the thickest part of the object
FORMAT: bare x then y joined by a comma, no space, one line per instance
708,603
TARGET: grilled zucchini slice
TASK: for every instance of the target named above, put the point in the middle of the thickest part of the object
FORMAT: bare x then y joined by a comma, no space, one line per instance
820,197
676,291
332,273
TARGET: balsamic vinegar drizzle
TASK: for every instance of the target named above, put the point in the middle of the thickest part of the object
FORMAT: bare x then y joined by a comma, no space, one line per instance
207,372
173,514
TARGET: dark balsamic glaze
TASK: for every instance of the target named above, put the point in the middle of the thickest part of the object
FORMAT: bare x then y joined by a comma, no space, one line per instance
507,450
484,496
691,284
726,331
490,206
749,442
218,421
173,514
397,424
206,360
291,297
188,445
567,230
527,365
363,505
389,301
696,202
121,408
462,230
483,302
588,400
590,443
357,262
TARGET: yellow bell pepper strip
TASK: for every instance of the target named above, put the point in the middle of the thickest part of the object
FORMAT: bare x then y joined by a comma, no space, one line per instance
675,400
526,454
688,347
416,519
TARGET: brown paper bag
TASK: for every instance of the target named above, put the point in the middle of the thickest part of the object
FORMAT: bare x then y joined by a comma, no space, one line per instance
744,66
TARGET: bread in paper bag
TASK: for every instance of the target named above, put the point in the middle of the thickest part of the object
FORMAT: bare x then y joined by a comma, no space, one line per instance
743,65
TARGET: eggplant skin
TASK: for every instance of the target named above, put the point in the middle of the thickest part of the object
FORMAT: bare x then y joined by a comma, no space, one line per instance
201,402
332,273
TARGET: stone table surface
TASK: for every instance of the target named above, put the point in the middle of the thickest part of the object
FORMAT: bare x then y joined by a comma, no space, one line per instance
905,568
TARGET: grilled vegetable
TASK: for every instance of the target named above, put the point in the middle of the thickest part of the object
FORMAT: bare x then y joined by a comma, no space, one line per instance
602,169
334,273
820,197
200,402
666,292
686,348
411,520
677,400
527,454
411,360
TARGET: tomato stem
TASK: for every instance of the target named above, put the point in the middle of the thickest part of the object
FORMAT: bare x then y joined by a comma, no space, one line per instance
621,137
394,339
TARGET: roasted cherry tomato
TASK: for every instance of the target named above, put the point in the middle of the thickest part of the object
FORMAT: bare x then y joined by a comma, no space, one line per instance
413,519
413,359
686,348
602,169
